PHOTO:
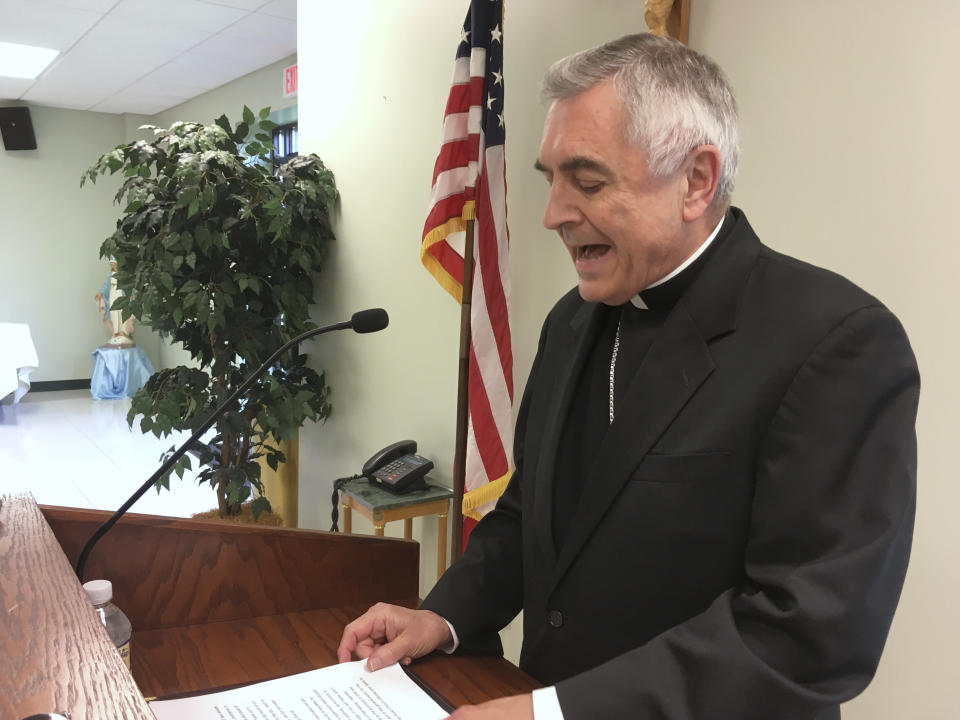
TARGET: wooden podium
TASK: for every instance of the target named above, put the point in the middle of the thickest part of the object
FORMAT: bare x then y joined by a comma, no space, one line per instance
213,605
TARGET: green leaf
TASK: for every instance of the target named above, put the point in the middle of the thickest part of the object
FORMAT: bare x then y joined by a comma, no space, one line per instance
248,117
114,160
264,113
202,235
191,260
260,505
224,123
192,210
209,197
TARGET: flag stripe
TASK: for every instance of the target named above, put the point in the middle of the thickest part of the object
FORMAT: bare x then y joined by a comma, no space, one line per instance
456,153
491,255
469,183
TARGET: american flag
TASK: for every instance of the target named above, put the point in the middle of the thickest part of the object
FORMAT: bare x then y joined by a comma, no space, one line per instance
469,183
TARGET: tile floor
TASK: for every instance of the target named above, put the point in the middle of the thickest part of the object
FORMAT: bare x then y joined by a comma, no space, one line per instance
69,449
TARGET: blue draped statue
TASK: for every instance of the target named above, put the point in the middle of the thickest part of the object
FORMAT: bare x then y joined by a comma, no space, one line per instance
120,368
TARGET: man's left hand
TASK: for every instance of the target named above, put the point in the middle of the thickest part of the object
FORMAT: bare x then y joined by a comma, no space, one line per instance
519,707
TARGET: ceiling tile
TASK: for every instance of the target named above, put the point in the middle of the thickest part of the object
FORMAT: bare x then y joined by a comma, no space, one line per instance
198,68
280,8
266,30
100,6
13,88
178,77
85,76
144,56
141,41
179,13
136,101
241,4
244,56
44,25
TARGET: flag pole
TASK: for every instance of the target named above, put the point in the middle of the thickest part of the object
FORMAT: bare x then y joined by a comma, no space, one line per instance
463,399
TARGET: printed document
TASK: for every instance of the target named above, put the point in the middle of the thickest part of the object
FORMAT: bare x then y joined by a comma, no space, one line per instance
339,692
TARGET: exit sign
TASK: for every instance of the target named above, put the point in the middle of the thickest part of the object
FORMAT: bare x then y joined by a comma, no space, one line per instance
290,81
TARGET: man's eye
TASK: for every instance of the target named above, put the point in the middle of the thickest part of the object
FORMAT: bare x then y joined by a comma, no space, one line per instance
589,187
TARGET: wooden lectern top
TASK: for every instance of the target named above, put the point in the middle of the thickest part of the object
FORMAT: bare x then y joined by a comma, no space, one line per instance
213,605
55,655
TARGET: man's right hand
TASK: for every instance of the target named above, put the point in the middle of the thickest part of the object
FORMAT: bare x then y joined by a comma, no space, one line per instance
386,634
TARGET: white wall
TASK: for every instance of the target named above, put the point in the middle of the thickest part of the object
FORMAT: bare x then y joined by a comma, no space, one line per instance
50,236
846,113
370,107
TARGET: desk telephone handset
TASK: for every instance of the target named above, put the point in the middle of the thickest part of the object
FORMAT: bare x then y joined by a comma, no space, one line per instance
398,468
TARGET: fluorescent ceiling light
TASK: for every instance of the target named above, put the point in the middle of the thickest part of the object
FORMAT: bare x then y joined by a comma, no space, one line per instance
24,61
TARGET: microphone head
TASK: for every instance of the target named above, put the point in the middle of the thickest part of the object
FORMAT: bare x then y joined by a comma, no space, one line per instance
368,321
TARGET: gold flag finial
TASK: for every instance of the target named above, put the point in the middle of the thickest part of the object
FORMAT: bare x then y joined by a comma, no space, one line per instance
657,14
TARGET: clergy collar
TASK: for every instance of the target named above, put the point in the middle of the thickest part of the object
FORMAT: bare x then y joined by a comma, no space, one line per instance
664,293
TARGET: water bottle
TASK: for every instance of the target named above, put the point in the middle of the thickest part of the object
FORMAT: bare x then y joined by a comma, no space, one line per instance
118,627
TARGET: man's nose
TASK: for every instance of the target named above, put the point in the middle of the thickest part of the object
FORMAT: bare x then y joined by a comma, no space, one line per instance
560,209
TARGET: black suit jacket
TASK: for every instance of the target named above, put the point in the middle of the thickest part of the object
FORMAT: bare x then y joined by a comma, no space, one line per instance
740,544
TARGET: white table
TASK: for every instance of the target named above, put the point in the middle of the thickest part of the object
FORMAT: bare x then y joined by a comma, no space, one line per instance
18,358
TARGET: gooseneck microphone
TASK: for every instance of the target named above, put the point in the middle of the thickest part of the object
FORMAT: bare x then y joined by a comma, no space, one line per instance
364,321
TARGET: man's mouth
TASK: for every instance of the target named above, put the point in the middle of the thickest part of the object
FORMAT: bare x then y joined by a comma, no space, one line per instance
590,252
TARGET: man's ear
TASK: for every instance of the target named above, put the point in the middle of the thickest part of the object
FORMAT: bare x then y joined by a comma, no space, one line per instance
702,168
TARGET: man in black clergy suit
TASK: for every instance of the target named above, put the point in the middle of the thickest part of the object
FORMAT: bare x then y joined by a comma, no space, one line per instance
713,501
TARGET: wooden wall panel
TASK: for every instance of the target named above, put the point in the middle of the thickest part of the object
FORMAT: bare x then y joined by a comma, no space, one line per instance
170,572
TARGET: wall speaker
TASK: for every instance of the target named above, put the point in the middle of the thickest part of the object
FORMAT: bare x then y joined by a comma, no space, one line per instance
16,128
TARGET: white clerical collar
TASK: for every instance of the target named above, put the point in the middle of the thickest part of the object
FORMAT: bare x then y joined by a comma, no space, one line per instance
638,302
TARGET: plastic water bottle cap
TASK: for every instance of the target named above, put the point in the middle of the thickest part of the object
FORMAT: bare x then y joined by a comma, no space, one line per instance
99,591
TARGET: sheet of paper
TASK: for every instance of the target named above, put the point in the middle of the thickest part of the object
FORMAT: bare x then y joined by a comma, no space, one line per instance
338,692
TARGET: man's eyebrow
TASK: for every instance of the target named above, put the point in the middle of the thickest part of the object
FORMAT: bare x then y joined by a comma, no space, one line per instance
577,162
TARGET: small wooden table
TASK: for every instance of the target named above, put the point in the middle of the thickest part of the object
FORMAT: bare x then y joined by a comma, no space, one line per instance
381,506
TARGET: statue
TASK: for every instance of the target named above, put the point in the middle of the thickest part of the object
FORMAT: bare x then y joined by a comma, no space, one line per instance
121,332
120,368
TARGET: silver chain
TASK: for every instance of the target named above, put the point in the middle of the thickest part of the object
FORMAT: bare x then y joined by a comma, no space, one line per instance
613,367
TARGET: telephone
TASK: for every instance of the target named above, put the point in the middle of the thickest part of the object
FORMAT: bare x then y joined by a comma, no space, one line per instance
398,468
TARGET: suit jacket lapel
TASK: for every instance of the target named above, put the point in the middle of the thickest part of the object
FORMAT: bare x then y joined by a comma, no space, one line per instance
677,363
675,366
583,328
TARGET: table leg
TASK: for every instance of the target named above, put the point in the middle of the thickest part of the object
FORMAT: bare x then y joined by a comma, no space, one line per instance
378,524
408,528
441,543
347,519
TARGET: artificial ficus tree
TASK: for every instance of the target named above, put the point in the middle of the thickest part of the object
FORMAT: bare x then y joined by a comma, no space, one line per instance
216,251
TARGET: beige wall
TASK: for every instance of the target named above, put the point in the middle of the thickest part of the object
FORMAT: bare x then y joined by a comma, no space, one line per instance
848,161
50,235
844,165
